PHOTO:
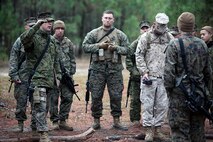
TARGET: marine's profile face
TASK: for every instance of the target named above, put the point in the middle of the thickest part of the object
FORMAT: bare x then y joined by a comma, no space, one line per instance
47,26
107,20
205,35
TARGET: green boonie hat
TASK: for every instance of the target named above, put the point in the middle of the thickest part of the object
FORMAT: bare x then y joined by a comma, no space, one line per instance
144,24
30,21
174,30
46,16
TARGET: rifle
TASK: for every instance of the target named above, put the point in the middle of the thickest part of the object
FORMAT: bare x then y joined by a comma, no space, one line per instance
89,70
11,83
128,91
67,80
195,102
23,58
87,88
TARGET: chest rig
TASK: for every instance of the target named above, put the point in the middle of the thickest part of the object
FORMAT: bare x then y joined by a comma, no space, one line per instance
107,55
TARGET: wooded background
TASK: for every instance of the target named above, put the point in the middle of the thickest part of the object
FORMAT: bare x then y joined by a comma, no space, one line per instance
81,16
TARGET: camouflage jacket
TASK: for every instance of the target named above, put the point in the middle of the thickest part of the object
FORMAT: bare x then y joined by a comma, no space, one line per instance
34,41
17,62
150,54
130,60
210,49
90,45
67,55
197,60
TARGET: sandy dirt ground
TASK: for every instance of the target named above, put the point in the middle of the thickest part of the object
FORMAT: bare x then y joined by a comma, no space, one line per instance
80,120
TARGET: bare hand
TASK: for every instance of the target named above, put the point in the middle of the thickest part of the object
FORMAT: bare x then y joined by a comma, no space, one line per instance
18,81
41,21
57,82
145,76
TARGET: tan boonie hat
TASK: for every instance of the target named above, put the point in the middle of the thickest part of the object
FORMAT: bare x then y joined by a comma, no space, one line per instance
45,16
162,18
58,24
30,21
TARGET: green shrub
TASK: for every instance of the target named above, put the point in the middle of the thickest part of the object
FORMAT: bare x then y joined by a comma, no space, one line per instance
3,55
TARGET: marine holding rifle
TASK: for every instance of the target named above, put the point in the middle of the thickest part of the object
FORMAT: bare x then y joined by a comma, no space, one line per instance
106,45
68,65
19,75
187,74
42,59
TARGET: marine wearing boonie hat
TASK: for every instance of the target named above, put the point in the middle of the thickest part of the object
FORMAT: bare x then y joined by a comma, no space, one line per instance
30,21
45,16
162,18
144,24
174,31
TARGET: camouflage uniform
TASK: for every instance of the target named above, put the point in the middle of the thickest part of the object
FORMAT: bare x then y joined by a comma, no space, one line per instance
150,58
68,60
106,71
17,71
134,88
34,42
185,125
210,49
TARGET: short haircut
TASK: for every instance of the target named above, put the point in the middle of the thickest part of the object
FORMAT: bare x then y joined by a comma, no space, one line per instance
108,12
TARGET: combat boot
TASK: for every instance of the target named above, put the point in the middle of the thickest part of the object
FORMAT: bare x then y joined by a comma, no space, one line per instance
149,136
96,125
54,126
20,127
117,124
140,136
35,134
63,125
44,137
159,135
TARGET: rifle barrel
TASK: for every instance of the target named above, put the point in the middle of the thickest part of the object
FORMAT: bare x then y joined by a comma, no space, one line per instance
11,83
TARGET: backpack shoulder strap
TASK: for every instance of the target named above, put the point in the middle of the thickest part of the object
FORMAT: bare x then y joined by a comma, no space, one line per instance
39,60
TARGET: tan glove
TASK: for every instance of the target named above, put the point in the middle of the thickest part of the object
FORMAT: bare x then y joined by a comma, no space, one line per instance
112,47
103,45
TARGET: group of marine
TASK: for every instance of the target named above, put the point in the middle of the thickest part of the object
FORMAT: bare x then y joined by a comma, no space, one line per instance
168,69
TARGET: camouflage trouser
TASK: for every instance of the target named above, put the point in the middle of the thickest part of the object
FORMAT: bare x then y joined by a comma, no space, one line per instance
135,103
98,81
185,125
20,94
155,102
66,99
40,97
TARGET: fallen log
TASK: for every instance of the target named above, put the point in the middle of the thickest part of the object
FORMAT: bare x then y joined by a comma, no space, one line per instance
81,136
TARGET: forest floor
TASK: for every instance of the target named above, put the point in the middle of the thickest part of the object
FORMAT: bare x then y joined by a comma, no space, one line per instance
80,120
